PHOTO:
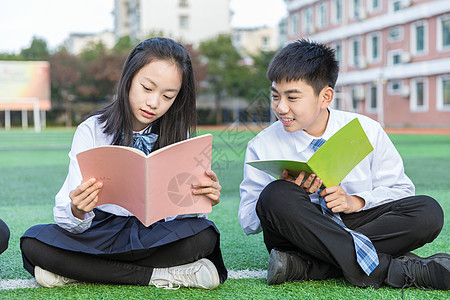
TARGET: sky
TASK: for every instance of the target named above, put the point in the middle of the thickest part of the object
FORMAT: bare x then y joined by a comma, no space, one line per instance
54,20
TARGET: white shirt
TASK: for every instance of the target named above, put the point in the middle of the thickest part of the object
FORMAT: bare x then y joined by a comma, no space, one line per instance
89,134
379,178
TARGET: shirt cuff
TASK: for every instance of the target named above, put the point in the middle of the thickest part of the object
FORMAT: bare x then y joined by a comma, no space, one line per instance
79,226
369,201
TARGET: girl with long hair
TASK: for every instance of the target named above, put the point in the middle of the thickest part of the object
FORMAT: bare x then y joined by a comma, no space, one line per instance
154,106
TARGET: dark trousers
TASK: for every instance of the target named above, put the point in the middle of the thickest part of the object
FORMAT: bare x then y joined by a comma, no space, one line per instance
108,270
4,236
290,221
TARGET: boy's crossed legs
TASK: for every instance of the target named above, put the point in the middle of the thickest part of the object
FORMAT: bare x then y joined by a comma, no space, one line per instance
315,247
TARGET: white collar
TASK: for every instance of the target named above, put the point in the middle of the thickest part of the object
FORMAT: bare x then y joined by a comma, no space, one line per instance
302,139
145,130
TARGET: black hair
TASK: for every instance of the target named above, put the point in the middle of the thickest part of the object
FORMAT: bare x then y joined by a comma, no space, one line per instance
311,62
181,118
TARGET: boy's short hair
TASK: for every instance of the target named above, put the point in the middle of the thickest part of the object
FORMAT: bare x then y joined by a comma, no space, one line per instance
314,63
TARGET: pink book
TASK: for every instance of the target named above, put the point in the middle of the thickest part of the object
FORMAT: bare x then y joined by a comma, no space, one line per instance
155,186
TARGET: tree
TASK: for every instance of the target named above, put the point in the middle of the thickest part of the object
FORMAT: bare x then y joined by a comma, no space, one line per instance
10,56
65,74
257,80
257,87
224,72
101,72
124,45
38,50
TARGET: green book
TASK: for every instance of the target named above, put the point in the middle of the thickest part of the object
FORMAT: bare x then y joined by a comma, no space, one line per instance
331,162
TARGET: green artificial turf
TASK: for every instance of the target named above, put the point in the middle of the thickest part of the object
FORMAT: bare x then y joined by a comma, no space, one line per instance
33,167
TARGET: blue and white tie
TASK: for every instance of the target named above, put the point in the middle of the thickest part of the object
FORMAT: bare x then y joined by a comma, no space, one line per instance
144,141
366,255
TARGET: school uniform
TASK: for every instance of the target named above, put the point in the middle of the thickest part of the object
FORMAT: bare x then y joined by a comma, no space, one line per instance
113,235
393,218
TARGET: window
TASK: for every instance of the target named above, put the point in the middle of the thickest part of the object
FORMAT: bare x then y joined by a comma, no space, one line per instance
355,9
337,99
355,47
184,22
443,93
395,57
443,33
265,42
374,5
357,59
357,94
394,87
337,11
372,100
354,101
308,21
419,37
294,24
395,33
446,33
322,15
338,53
396,5
418,95
374,47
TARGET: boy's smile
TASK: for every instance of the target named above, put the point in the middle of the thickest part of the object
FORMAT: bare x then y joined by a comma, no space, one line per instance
298,108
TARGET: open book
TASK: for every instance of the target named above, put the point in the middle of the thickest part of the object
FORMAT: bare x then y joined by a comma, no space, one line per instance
331,162
151,187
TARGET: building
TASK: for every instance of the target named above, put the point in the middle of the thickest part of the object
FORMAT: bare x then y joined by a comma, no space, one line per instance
253,40
188,21
394,55
77,42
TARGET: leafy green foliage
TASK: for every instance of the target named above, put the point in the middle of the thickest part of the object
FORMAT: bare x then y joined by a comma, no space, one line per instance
38,50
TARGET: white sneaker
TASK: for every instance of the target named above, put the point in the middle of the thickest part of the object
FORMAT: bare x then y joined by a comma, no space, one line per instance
49,279
199,274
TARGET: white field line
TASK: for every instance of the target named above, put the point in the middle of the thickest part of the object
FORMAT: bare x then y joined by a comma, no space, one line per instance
8,284
18,284
247,274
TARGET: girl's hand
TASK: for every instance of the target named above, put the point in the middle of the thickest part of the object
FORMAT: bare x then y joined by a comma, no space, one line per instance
311,184
85,197
339,201
210,188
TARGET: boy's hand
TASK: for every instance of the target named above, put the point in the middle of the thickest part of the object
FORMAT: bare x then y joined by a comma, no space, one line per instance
339,201
311,184
209,188
84,197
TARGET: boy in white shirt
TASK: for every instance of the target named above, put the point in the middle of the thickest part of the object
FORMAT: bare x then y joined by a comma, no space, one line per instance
376,199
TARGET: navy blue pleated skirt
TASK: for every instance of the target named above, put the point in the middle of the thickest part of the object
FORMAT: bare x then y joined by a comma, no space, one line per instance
124,238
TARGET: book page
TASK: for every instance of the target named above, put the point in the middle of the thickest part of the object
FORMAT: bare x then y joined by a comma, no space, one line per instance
122,172
340,153
331,162
151,187
274,167
171,173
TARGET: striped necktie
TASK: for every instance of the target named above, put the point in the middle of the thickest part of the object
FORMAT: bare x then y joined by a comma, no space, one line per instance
366,255
144,141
